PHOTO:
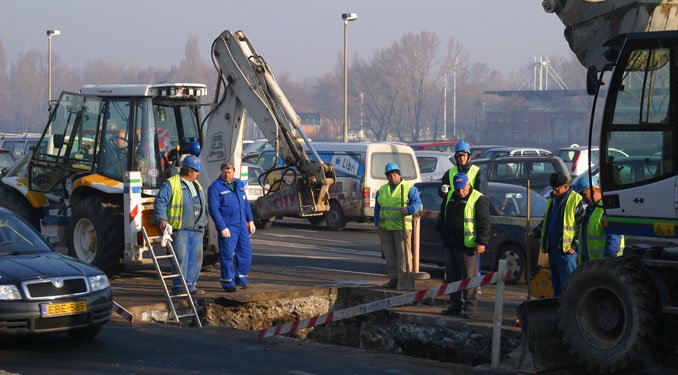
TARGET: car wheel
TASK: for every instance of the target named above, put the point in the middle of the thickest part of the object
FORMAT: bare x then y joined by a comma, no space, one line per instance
264,224
334,218
86,333
10,198
316,220
515,257
95,234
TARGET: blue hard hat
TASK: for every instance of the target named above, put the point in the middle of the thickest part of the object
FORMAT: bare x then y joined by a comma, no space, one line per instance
392,167
192,146
192,161
581,183
462,146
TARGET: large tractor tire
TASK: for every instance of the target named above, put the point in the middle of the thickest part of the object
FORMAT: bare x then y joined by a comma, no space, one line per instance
95,234
10,198
610,315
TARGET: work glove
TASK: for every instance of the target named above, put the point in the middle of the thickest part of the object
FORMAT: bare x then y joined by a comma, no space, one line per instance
251,227
226,233
166,235
445,188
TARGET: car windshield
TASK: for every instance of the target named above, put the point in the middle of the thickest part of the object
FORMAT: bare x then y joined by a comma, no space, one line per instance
513,202
6,160
17,237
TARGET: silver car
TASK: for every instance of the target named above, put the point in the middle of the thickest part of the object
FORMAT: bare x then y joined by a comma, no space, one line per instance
434,164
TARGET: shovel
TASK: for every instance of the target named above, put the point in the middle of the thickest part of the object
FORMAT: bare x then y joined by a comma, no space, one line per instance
405,279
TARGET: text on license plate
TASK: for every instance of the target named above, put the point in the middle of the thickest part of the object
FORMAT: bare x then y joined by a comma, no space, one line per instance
66,308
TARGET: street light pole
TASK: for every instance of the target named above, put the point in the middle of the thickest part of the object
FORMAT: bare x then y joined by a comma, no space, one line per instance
50,33
346,17
445,106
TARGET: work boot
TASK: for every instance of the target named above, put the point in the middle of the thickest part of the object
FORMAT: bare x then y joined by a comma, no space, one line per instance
230,289
391,284
468,314
448,312
244,286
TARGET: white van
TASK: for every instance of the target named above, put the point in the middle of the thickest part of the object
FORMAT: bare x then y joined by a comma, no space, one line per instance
360,173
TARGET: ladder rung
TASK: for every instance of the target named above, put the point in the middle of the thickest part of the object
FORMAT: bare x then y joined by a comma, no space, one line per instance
185,315
179,295
164,256
170,276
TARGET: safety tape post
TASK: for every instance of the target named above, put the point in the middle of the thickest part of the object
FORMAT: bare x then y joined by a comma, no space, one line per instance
400,300
123,312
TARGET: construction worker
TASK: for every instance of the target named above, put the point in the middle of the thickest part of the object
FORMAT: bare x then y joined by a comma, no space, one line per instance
593,241
464,227
396,202
180,209
462,157
559,231
232,215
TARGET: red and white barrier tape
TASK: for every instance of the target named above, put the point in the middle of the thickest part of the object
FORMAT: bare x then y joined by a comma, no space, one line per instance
123,312
404,299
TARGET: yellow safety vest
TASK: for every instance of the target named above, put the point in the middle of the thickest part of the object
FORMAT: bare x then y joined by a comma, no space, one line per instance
175,209
569,223
595,237
471,174
469,216
390,203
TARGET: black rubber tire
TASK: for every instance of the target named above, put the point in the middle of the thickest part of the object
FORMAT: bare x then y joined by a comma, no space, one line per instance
106,223
316,220
629,334
334,218
264,223
86,333
10,198
516,261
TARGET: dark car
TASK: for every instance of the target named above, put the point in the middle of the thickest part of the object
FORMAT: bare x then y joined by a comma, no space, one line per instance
42,291
517,170
507,215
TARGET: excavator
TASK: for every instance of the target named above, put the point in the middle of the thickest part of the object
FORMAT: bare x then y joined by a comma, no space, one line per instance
621,313
105,151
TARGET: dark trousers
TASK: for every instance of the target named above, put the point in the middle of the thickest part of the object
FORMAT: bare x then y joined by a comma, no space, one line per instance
460,264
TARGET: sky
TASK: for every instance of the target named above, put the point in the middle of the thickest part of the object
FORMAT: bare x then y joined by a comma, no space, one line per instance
303,38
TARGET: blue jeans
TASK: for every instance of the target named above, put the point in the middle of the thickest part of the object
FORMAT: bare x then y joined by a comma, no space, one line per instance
188,248
562,265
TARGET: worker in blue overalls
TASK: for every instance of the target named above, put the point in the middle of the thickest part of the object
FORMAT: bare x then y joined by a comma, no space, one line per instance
232,216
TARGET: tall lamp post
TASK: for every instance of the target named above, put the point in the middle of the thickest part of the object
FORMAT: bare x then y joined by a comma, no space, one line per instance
50,33
346,17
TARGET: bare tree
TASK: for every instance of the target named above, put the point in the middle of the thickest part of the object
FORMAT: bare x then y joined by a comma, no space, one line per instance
29,92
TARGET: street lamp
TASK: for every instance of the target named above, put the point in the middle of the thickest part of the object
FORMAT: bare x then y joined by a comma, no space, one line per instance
50,33
346,17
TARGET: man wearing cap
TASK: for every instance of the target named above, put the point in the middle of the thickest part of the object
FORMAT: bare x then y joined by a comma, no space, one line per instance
179,208
594,242
396,202
462,158
464,227
232,215
559,231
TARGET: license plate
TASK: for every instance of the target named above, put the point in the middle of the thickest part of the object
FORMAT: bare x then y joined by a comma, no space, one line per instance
664,229
66,308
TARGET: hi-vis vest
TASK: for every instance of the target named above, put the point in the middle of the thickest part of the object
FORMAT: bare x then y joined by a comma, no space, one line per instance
595,237
469,216
569,222
175,209
471,174
390,203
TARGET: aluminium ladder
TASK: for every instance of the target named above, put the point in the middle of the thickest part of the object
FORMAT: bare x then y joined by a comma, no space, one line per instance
165,278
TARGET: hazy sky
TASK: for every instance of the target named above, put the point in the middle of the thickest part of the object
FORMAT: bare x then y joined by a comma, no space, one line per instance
301,37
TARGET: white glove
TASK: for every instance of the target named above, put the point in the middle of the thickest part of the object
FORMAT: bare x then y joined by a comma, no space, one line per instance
444,188
166,235
226,233
251,227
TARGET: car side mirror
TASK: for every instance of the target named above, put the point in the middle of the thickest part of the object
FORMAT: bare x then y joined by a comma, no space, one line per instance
592,81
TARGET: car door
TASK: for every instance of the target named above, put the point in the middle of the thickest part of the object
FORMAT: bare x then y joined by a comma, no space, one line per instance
430,244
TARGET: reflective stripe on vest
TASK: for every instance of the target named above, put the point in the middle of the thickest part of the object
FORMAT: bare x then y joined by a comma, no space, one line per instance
469,216
596,236
175,209
390,204
471,174
569,222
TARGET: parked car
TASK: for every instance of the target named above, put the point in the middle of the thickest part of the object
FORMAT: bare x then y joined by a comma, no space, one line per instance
443,146
576,157
42,291
6,161
508,208
253,187
19,144
518,169
434,164
255,147
477,151
514,151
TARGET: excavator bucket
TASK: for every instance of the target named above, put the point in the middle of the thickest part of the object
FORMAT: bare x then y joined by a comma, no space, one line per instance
543,349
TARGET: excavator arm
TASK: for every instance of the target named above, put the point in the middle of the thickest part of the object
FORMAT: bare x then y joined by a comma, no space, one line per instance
245,82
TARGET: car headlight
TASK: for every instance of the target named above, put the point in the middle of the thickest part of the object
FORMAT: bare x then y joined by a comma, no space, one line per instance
98,282
9,292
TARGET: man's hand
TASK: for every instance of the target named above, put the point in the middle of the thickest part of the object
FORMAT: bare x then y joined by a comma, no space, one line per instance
571,251
226,233
403,210
163,224
251,227
480,249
